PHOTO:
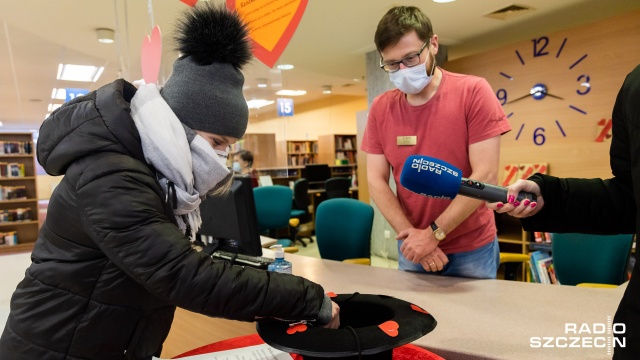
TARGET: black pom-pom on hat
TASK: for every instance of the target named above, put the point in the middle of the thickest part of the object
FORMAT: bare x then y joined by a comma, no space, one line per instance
205,88
211,33
371,326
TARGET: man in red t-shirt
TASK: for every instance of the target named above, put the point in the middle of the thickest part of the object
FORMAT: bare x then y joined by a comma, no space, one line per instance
448,116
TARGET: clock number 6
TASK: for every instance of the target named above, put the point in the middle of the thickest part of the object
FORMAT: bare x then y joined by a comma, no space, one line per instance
538,136
539,45
584,82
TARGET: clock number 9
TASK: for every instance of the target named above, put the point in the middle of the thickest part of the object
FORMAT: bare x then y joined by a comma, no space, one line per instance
538,136
539,45
584,82
501,94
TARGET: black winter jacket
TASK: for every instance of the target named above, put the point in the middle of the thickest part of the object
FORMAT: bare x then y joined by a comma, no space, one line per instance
110,265
597,206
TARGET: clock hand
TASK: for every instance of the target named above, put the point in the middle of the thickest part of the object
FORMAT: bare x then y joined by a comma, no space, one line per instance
520,98
553,96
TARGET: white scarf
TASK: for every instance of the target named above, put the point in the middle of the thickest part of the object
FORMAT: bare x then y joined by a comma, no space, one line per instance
187,172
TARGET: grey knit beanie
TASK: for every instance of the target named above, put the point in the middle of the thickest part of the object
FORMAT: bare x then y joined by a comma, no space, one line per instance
205,87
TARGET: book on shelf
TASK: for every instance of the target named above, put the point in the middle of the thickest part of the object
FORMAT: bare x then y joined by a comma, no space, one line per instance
542,237
541,267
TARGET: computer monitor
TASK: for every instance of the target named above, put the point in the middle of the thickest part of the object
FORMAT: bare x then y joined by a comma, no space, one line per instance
229,222
316,173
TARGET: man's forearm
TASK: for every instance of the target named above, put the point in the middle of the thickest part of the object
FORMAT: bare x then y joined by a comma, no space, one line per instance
389,206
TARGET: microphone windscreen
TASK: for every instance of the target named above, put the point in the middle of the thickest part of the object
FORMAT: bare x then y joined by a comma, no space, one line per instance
430,177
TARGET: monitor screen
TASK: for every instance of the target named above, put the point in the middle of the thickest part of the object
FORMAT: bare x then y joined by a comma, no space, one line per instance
230,221
316,173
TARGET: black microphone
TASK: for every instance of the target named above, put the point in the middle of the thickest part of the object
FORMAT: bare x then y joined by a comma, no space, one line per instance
435,178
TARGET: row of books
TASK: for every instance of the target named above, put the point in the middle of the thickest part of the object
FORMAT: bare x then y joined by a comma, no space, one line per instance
542,237
302,147
541,268
301,160
344,143
348,155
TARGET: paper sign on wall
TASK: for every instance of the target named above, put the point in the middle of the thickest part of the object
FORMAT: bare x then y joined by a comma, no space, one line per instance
271,23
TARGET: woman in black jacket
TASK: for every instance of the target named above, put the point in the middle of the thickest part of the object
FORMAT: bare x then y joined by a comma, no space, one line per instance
113,259
597,206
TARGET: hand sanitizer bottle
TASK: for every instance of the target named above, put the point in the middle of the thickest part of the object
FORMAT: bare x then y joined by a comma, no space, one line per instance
280,264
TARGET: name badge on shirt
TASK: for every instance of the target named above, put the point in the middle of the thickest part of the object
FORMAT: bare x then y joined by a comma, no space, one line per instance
407,140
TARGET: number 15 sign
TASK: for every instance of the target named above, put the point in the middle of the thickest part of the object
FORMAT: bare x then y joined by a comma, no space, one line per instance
285,107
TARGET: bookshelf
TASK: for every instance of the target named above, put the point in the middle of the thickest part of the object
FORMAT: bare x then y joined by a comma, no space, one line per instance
263,147
301,152
18,199
337,149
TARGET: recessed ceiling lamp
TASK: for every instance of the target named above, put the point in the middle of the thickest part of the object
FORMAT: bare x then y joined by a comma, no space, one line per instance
285,66
291,92
58,94
258,103
262,83
443,1
326,89
105,36
79,72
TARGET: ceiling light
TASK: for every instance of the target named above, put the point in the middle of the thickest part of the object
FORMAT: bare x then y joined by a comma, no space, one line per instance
79,72
326,89
52,107
105,36
258,103
291,92
58,94
285,67
262,83
443,1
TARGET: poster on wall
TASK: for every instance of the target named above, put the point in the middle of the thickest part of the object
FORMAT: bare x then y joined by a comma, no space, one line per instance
272,24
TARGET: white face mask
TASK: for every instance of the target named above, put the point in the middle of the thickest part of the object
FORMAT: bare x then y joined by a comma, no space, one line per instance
237,167
414,79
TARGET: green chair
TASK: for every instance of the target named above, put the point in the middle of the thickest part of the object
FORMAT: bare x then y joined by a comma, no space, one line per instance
337,187
300,209
273,210
343,230
588,260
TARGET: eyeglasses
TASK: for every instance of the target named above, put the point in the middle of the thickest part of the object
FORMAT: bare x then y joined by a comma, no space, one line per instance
408,61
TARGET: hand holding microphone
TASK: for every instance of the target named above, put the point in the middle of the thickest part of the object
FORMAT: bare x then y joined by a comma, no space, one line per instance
435,178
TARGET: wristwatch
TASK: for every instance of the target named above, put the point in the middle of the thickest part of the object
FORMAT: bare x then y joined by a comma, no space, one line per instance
437,232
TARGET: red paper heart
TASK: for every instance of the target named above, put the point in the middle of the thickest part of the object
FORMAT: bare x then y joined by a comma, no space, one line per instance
390,328
151,56
267,20
331,294
296,328
191,3
418,309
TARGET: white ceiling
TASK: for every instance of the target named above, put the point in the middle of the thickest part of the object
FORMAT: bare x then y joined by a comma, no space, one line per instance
328,47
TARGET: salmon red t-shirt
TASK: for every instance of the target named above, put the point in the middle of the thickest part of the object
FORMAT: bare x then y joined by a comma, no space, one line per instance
463,111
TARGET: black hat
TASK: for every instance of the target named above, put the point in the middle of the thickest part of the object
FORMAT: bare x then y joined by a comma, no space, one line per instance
205,87
371,326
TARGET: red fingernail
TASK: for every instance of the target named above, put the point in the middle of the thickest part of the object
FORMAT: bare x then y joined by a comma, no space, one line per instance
510,199
516,203
533,204
499,205
526,202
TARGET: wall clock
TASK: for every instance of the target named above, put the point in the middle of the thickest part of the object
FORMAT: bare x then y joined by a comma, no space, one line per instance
544,87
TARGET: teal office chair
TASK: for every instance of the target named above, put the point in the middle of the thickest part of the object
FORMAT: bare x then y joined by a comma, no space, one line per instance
590,260
273,210
343,230
300,209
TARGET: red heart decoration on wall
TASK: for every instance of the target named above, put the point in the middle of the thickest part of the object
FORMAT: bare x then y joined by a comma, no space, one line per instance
151,56
331,294
390,328
272,24
418,309
296,328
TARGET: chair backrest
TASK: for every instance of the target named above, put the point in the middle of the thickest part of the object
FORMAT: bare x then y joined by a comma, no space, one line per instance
343,229
585,258
337,187
273,206
301,194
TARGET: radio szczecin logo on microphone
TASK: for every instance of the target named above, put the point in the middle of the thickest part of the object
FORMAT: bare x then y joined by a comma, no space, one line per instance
423,164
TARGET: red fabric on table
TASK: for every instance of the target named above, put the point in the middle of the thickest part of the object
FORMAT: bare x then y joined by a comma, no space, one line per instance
404,352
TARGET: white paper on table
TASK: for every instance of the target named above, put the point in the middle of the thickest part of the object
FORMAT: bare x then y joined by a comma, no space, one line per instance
256,352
